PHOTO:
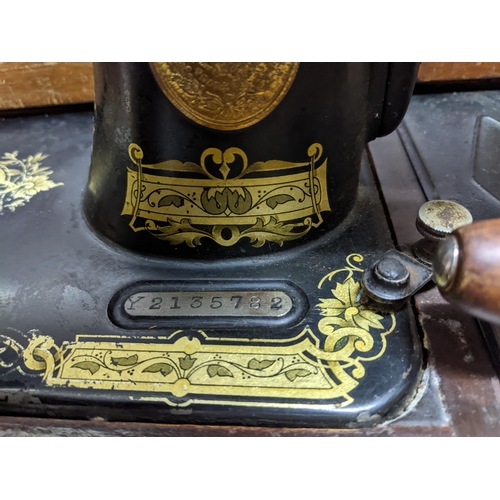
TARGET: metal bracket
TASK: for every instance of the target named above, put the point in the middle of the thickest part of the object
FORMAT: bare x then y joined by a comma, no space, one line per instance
392,280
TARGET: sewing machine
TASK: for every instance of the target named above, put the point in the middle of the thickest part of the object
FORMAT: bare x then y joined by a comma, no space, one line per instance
202,256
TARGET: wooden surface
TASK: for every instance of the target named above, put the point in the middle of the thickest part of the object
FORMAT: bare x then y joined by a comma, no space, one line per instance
26,85
452,71
47,427
31,85
454,346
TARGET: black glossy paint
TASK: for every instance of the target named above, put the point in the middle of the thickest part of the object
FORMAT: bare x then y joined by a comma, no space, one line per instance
58,277
339,105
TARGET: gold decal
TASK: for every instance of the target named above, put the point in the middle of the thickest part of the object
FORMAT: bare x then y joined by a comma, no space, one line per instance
20,180
225,96
226,199
314,369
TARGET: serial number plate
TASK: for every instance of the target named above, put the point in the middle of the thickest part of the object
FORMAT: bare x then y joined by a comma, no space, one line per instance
217,303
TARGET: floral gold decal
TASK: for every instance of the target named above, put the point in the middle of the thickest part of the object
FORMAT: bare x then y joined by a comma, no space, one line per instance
225,96
347,323
312,369
20,180
227,199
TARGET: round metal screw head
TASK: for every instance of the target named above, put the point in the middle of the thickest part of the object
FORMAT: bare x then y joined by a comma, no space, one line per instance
437,219
391,271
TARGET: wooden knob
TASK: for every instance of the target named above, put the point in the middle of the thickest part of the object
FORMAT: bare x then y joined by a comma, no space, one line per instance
467,269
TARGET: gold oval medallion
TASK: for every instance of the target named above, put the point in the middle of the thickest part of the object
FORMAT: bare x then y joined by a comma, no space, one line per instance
225,96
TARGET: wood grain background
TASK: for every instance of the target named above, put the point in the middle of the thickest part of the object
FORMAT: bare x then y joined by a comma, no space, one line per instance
434,72
29,85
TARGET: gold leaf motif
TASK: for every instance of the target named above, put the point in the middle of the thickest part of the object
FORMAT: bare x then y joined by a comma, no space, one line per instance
255,364
178,232
163,368
274,231
218,371
279,199
91,366
175,200
293,374
125,360
20,180
346,305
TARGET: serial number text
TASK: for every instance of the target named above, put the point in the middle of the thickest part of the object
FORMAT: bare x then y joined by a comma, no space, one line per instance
215,303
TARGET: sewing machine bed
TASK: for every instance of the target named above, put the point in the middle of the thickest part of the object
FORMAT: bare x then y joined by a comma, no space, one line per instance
75,358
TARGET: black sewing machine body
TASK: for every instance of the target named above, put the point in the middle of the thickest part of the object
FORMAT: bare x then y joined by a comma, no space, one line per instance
182,304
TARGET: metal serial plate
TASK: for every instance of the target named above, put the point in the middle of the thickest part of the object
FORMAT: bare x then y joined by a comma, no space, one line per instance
235,305
217,303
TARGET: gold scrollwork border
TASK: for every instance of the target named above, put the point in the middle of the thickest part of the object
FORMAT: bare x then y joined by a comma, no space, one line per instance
313,369
224,208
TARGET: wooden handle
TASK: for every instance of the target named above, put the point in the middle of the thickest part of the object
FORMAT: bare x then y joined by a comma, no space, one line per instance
467,269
